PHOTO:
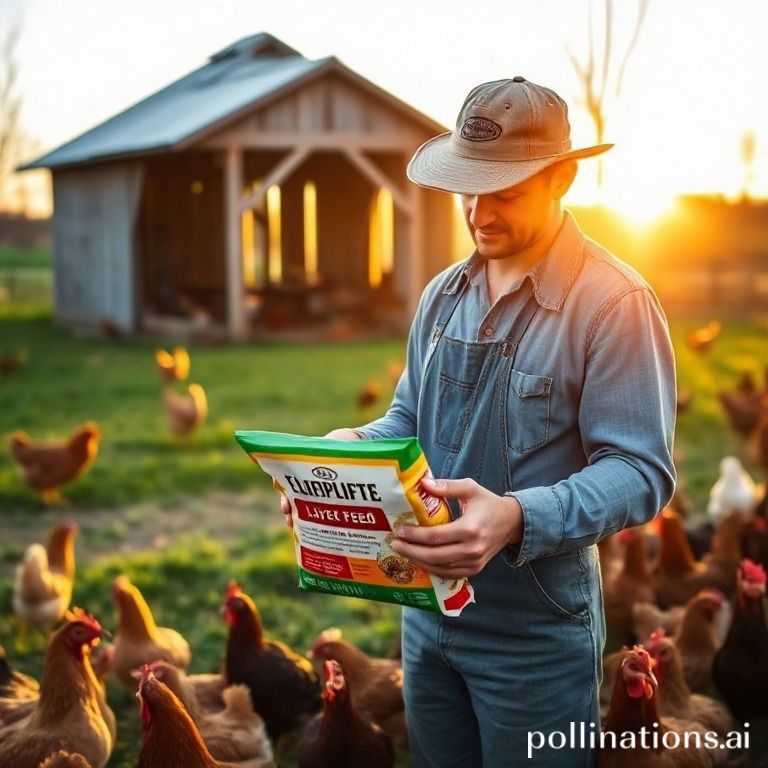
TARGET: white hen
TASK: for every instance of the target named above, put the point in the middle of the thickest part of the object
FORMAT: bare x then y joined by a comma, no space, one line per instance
733,491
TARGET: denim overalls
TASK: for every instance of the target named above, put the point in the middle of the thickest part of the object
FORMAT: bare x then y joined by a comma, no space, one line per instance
518,660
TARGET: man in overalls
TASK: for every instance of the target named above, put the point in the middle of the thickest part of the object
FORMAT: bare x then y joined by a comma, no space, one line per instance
540,381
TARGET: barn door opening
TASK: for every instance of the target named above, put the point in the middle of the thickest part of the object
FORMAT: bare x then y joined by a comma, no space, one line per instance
381,238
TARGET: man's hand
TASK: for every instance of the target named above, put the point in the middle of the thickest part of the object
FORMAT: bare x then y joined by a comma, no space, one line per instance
462,547
343,433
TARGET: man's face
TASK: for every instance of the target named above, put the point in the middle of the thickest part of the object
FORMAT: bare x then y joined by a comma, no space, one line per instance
511,221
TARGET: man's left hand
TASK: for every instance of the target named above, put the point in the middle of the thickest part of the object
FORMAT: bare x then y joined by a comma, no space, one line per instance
462,547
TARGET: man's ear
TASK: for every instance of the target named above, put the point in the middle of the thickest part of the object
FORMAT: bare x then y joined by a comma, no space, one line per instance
561,177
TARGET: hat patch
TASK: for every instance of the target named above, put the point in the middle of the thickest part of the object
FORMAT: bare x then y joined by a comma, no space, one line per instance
480,129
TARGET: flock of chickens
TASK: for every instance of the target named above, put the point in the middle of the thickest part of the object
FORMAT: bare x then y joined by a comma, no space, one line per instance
46,466
686,600
339,706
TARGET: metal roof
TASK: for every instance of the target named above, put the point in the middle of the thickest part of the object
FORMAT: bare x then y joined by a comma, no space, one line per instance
235,78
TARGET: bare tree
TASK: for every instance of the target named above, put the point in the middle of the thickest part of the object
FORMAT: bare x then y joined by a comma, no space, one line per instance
595,75
10,110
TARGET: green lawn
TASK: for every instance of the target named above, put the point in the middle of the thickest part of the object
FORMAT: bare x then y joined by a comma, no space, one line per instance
182,518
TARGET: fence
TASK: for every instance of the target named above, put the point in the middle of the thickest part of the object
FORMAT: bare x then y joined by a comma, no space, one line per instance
24,284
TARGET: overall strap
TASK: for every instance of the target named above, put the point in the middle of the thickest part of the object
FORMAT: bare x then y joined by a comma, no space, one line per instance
452,294
519,327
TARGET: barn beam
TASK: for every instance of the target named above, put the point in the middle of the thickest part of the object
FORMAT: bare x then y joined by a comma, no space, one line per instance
278,174
379,179
233,185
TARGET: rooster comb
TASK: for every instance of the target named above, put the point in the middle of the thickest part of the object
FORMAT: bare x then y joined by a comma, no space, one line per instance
233,589
80,614
646,659
752,572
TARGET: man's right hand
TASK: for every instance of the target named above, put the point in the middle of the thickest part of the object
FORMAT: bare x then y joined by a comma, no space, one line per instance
343,433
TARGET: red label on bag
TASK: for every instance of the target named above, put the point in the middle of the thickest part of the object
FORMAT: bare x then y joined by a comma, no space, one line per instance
340,516
325,564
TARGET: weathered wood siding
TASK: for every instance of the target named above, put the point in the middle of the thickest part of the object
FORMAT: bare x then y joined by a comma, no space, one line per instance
330,107
94,243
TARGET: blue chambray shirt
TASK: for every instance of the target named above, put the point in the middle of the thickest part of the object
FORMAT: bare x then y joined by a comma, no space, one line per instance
592,413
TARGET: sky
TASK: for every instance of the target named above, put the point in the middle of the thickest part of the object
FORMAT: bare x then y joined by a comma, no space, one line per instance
695,84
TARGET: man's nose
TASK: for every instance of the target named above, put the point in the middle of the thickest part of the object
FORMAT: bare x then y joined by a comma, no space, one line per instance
480,211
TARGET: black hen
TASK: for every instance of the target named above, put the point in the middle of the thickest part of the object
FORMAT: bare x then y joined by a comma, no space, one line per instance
740,666
285,689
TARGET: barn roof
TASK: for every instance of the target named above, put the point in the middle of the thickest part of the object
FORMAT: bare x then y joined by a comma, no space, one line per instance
235,80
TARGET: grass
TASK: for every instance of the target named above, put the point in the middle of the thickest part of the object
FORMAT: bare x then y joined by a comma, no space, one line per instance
302,388
183,518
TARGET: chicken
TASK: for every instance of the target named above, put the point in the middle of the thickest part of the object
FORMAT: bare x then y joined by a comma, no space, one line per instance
647,616
395,370
684,399
284,686
760,438
369,394
701,339
742,405
633,583
173,366
740,666
674,695
377,683
138,639
699,635
47,466
64,759
185,412
696,630
12,362
678,576
71,713
43,587
170,738
733,491
235,733
634,710
15,685
341,737
754,533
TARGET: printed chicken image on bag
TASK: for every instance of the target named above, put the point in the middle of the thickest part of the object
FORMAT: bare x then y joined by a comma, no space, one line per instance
348,498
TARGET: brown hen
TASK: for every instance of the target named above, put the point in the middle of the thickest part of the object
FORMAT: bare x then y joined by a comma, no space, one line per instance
235,732
377,683
185,412
634,709
170,738
71,713
675,697
138,639
43,587
45,466
340,736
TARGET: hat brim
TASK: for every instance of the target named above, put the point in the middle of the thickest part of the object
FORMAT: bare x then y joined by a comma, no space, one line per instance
436,166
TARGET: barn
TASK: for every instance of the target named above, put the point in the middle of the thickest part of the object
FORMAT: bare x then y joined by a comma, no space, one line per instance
262,191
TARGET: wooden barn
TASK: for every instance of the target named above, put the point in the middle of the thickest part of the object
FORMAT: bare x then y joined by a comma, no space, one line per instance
262,191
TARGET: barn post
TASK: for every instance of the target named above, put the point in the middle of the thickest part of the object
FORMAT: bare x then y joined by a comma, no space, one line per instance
416,258
233,188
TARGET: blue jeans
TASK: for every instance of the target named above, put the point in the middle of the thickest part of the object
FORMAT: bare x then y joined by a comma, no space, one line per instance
477,685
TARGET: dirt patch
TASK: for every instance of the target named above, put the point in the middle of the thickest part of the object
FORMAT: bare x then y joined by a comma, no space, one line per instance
222,515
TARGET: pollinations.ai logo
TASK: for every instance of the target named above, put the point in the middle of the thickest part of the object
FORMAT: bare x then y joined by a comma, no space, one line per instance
324,473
